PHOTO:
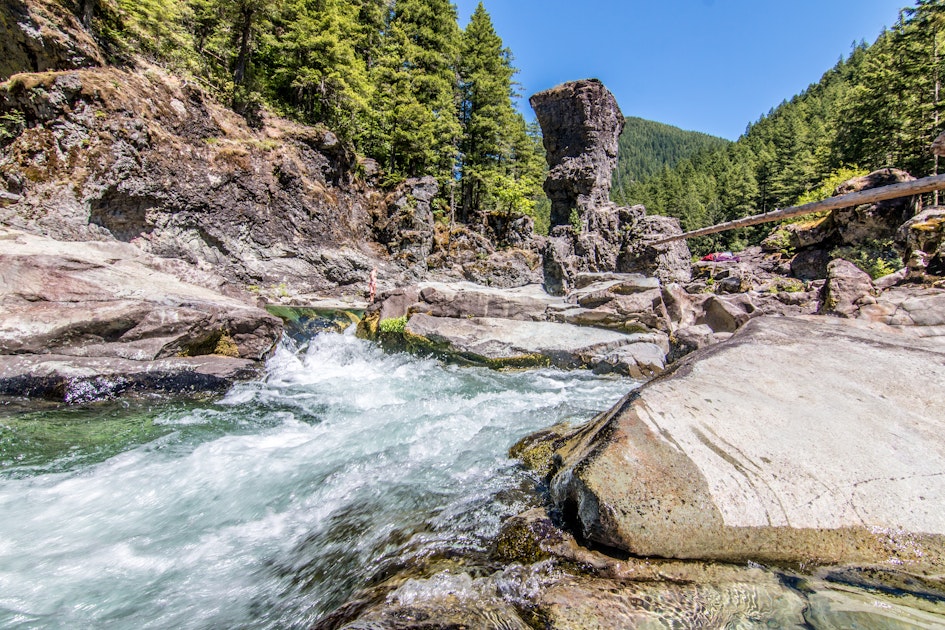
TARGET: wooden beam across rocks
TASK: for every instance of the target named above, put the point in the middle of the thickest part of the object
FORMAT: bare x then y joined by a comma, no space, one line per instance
873,195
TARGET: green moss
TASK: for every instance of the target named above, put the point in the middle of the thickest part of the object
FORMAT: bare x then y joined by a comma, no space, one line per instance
226,346
575,220
393,324
787,285
779,240
521,541
217,342
368,326
12,125
537,450
877,258
932,225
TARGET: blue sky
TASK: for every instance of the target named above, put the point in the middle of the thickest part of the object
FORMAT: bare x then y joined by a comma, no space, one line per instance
704,65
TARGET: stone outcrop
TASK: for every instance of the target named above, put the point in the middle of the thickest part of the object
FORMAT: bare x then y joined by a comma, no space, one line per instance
813,242
43,35
938,145
506,342
919,309
731,457
581,123
526,326
84,318
847,288
404,222
921,241
873,221
144,158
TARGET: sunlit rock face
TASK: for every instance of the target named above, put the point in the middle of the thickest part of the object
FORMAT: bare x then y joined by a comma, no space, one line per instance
581,123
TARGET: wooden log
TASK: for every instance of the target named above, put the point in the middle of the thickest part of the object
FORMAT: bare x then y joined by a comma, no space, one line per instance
893,191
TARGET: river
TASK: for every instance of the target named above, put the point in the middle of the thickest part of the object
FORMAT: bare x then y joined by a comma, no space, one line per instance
270,507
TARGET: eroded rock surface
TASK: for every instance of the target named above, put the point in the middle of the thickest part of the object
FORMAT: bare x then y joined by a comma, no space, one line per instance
144,158
69,307
506,342
42,35
732,457
581,123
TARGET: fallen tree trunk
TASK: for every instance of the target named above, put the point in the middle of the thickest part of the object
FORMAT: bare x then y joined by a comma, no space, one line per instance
893,191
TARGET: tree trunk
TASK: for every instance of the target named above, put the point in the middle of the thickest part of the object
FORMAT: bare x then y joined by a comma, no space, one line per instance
938,83
246,36
872,195
87,12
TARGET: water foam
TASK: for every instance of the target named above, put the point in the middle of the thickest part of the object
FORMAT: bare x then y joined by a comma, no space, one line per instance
268,508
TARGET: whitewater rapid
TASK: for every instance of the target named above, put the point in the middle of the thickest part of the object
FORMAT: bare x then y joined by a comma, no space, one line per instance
270,507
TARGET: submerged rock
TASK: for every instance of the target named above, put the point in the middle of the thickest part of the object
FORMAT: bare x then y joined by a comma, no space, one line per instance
733,457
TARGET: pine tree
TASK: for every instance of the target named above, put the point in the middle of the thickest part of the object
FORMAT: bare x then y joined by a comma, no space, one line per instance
416,129
313,65
500,167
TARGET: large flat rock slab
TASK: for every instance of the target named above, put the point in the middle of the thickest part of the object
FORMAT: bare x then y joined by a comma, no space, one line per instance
73,379
465,299
497,341
798,440
106,317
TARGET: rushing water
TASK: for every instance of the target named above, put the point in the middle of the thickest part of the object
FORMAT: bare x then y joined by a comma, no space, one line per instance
270,507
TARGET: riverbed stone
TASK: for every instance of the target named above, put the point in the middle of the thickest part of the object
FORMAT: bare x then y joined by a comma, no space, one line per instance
732,457
501,342
77,379
466,299
848,287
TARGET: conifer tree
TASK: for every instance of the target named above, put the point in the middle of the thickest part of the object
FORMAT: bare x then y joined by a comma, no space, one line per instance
314,66
500,167
416,129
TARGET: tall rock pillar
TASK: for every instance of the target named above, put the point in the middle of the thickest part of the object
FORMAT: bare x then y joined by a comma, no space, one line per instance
581,123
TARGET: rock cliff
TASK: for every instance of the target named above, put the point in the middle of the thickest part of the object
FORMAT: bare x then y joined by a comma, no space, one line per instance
581,123
145,158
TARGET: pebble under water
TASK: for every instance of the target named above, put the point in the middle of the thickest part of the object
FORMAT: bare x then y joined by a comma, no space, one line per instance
270,507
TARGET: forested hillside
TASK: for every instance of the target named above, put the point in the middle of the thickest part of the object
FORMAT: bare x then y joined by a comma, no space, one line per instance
399,80
880,106
645,147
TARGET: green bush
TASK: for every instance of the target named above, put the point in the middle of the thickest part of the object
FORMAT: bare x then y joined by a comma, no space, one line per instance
877,258
393,324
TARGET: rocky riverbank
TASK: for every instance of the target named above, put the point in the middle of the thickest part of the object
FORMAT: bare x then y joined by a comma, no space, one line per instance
89,320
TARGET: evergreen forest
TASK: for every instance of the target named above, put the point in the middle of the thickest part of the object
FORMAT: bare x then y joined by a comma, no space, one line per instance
400,81
645,147
880,106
